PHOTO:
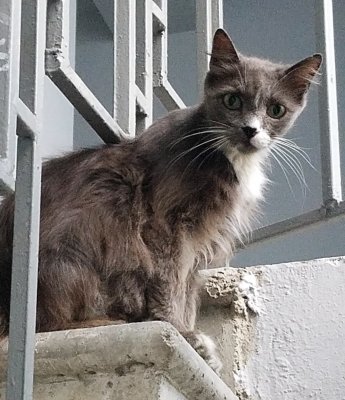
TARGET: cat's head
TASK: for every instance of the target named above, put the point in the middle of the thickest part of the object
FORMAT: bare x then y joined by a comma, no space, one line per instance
255,100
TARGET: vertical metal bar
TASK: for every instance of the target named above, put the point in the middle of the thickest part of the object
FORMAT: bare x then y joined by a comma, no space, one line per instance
9,81
26,221
161,86
124,65
144,50
209,17
204,39
24,273
28,54
217,15
328,111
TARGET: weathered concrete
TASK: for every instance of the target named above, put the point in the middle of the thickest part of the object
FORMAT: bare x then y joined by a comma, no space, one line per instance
143,361
281,328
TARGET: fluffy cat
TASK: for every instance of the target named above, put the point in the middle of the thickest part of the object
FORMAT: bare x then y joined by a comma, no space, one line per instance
124,227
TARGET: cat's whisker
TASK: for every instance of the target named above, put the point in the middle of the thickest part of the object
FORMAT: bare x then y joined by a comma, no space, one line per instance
199,155
294,144
216,147
295,167
275,156
196,132
293,163
184,153
295,148
228,125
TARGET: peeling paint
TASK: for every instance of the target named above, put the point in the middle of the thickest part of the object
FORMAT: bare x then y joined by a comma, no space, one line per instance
240,288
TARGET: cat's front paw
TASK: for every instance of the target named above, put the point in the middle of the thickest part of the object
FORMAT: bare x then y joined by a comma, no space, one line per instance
206,348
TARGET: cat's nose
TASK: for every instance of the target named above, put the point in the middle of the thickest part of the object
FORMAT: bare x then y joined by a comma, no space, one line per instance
249,131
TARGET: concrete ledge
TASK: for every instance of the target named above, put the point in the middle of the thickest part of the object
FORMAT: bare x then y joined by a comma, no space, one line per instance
152,348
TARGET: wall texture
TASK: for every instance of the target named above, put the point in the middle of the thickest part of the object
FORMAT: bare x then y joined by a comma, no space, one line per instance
280,329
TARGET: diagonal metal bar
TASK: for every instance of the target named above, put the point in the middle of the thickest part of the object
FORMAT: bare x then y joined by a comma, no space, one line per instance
298,222
59,69
209,17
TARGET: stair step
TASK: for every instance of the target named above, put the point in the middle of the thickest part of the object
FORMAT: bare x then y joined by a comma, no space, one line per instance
146,361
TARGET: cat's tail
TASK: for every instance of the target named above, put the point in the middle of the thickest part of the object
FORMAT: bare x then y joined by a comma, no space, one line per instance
4,324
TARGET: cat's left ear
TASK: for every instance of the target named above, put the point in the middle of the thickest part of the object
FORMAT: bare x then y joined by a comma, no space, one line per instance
300,75
223,50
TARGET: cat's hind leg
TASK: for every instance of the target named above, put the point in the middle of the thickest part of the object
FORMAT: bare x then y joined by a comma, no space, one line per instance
68,292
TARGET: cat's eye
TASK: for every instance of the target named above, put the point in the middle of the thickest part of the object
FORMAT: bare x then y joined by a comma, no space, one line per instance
276,111
232,101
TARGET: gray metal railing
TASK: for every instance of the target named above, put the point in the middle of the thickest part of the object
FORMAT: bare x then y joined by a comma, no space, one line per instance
333,204
26,104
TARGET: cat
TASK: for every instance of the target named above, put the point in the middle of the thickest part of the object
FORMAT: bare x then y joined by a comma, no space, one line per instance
124,227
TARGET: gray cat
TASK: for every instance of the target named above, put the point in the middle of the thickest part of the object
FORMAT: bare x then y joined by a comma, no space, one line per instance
125,226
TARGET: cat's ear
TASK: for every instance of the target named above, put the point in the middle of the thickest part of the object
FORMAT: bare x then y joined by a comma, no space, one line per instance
299,76
223,50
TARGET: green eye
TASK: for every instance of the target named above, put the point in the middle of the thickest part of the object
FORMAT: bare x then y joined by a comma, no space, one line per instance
232,101
276,111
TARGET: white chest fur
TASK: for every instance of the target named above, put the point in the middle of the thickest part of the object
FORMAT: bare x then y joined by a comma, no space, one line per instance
251,184
250,175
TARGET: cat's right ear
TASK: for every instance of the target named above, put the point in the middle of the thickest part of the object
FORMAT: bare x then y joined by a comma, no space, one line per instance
223,50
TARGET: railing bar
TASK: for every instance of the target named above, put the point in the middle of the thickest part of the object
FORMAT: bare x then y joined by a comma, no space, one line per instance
298,222
217,15
328,111
86,103
26,221
144,72
124,65
24,270
9,81
168,96
159,13
204,39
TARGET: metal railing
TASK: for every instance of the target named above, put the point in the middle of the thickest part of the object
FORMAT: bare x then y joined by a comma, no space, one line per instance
332,199
41,46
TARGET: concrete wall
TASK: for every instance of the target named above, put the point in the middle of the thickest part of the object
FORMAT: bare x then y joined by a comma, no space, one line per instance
280,329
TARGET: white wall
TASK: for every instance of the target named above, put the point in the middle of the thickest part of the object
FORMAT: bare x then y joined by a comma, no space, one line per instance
280,329
299,338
